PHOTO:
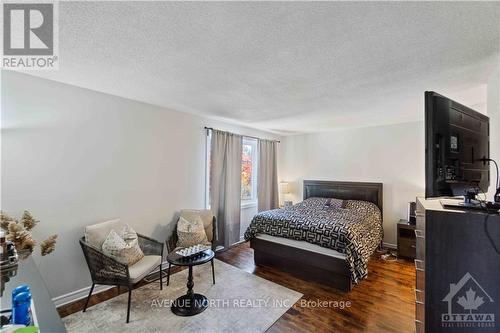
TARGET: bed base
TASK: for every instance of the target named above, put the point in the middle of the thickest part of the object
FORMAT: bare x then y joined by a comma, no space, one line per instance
306,265
311,266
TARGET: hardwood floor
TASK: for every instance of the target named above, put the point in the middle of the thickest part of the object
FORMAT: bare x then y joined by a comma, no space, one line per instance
383,302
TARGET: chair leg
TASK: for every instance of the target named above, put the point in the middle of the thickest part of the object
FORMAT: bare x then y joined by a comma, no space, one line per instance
128,306
168,274
213,271
161,278
88,298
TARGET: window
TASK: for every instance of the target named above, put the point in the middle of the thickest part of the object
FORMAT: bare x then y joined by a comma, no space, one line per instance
249,170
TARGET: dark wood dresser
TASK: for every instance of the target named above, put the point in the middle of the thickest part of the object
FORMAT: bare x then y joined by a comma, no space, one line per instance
457,270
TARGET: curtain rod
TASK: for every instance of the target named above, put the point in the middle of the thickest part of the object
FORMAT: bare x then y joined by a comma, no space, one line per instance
247,136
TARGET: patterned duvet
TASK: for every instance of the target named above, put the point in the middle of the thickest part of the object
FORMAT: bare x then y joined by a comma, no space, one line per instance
351,227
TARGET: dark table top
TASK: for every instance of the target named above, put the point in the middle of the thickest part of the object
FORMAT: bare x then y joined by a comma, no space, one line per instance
198,259
45,311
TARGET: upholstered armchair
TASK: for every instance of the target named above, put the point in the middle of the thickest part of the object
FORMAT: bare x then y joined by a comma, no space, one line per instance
106,270
210,226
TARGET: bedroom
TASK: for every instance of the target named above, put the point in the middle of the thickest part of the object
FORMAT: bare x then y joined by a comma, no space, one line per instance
334,89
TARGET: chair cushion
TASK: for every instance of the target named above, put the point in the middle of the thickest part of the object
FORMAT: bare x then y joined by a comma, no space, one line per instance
143,267
124,247
190,232
206,216
96,234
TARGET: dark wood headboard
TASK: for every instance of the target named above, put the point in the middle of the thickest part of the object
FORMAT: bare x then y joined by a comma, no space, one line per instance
371,192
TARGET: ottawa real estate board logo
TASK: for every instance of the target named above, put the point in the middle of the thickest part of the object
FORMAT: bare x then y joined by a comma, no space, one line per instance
469,305
30,35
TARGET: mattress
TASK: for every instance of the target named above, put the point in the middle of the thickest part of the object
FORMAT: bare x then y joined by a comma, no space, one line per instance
302,245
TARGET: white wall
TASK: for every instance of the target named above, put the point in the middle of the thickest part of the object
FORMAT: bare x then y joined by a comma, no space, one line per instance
76,157
494,114
393,155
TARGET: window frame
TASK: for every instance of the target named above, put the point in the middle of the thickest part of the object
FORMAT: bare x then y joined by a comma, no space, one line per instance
208,147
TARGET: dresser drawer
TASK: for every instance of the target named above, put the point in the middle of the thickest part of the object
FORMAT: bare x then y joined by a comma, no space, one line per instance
419,311
419,327
420,278
419,265
406,247
419,296
420,243
420,217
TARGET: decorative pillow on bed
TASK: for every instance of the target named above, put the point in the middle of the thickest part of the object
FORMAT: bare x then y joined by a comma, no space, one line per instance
125,247
334,203
323,203
190,232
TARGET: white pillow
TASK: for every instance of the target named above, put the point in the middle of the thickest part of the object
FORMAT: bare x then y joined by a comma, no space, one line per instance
124,248
96,234
190,232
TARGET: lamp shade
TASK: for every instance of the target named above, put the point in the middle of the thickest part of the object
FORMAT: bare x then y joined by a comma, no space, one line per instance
284,188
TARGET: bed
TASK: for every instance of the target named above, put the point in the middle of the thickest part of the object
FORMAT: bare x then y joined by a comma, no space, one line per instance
327,238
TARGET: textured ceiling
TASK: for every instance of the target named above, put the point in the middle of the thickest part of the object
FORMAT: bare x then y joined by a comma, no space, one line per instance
288,67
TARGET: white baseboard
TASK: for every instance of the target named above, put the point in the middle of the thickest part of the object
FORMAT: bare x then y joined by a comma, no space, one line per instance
390,246
77,295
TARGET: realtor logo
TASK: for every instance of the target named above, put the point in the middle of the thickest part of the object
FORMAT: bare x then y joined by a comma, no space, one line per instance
29,35
468,305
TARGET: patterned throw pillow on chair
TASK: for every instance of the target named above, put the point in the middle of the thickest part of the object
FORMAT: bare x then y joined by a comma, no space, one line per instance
125,247
190,232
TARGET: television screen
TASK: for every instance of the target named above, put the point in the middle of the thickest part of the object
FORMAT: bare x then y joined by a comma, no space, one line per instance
457,139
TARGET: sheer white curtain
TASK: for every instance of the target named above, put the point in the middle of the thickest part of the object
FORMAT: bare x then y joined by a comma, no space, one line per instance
267,175
225,185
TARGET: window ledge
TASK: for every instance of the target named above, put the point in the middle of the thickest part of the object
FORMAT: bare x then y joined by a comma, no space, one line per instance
248,203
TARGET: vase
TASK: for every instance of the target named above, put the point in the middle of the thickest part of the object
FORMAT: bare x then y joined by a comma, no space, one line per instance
24,253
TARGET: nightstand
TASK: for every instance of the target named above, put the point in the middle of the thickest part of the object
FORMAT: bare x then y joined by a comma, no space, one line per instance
406,240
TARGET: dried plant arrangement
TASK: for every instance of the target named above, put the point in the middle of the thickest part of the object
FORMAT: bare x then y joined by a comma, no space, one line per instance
28,221
19,233
5,220
48,246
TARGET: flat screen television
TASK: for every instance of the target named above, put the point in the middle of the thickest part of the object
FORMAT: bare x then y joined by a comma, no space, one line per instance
456,146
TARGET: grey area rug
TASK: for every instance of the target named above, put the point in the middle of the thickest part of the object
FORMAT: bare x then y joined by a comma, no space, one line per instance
239,302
